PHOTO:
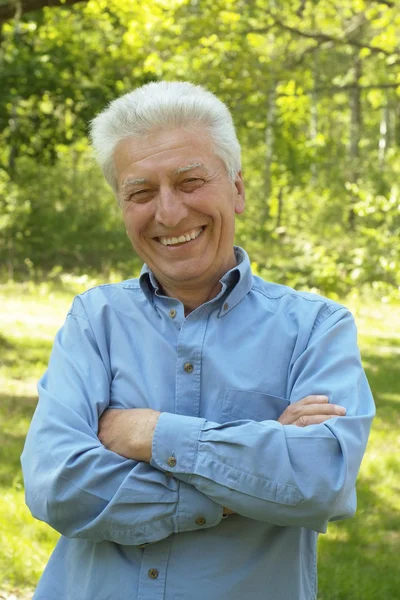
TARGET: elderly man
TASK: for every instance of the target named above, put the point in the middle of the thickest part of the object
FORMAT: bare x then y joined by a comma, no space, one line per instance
197,426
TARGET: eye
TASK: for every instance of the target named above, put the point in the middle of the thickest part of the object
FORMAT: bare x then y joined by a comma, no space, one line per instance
191,183
140,196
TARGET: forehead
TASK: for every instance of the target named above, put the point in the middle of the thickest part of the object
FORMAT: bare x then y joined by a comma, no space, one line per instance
171,152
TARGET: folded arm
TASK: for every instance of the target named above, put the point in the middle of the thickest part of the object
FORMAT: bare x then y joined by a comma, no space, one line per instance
130,432
77,485
282,474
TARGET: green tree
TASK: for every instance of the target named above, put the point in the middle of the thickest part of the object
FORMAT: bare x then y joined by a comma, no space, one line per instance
313,87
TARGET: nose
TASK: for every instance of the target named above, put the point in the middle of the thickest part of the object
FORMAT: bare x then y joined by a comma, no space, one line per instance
170,208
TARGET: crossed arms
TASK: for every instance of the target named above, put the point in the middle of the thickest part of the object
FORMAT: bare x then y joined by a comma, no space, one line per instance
130,432
299,470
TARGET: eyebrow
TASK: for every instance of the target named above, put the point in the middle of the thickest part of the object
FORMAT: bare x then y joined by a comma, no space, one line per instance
186,168
132,182
178,171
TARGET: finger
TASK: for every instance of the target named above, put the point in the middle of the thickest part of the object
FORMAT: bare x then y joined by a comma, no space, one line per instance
313,399
320,409
297,410
305,421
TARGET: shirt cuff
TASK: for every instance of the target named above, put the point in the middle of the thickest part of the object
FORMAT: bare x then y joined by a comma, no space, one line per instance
175,443
174,451
195,510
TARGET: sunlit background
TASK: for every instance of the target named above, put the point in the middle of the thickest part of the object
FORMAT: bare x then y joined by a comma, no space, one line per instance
314,89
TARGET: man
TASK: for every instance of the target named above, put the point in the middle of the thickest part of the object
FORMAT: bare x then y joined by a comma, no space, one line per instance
197,427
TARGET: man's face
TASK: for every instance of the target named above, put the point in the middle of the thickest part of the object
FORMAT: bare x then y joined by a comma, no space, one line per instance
179,206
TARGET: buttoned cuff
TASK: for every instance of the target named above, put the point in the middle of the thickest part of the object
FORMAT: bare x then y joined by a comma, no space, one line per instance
175,443
195,510
174,451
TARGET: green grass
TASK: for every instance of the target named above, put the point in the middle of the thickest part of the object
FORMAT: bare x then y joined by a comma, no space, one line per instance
29,318
358,558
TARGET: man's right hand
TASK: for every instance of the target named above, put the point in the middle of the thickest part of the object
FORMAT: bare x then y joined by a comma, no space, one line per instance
311,410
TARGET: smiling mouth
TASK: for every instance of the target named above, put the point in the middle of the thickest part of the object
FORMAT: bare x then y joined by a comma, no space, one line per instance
193,234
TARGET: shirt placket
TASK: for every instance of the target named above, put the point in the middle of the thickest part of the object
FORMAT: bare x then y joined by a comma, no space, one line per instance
188,364
153,571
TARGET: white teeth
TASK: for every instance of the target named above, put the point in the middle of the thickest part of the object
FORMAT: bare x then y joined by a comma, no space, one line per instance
186,237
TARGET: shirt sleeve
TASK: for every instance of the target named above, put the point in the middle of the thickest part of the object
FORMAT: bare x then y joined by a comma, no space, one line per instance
285,475
78,486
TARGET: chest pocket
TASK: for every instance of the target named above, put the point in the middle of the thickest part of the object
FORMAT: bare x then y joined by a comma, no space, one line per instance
254,406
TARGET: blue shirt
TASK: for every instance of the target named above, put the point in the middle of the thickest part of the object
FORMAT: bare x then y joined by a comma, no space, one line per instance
221,377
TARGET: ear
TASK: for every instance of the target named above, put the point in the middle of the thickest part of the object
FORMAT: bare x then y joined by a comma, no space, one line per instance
240,193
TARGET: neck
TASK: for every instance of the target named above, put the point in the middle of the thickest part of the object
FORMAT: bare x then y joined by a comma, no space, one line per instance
195,291
193,298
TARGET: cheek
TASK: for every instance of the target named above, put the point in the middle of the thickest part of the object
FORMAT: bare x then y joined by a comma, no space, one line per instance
127,223
134,220
132,233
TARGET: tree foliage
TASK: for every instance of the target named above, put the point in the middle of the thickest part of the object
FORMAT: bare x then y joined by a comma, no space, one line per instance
313,88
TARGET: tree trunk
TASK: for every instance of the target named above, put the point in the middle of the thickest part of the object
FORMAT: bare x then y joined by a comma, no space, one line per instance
269,146
355,134
314,116
280,209
384,133
13,149
7,11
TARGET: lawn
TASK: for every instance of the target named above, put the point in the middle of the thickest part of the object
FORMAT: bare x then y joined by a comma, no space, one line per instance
358,559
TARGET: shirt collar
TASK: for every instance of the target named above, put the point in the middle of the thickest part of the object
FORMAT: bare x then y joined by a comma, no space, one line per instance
236,283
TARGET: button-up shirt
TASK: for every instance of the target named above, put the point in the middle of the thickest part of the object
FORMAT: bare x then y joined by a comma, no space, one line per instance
221,377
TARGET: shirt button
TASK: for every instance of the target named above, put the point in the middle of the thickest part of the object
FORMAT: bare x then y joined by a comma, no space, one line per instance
171,462
188,367
152,573
201,521
226,306
172,313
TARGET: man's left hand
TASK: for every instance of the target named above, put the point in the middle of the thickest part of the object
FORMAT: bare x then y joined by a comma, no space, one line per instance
129,432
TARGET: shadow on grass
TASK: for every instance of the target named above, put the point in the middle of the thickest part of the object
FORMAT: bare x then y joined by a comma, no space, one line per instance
358,560
5,343
22,355
15,415
383,374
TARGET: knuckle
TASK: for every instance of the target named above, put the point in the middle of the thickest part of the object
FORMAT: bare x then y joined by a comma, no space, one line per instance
307,399
302,421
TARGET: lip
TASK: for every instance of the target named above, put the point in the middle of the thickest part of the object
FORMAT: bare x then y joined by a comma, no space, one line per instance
186,244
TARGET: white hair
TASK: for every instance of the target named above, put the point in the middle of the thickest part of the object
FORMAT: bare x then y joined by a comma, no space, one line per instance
164,105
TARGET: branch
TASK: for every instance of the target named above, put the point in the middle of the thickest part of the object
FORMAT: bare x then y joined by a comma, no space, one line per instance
322,37
340,88
299,59
300,10
386,3
7,11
